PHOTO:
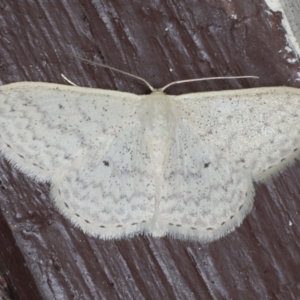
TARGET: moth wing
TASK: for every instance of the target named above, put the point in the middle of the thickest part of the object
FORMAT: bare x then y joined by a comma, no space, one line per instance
258,129
110,194
46,126
203,194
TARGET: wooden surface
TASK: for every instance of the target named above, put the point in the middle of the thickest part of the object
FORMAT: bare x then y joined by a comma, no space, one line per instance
43,255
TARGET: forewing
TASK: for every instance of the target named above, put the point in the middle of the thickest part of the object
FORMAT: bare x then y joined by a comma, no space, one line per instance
48,126
258,129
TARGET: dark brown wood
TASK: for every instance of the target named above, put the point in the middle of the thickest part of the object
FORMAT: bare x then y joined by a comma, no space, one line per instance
44,256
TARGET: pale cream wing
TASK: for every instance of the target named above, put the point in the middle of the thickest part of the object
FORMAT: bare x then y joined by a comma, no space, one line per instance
203,195
258,129
44,126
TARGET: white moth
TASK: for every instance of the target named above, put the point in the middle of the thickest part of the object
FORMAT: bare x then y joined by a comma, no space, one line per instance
121,164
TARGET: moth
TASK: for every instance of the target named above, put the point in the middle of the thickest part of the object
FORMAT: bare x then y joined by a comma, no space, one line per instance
120,164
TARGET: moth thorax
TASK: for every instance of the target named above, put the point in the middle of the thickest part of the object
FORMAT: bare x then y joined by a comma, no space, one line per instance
159,134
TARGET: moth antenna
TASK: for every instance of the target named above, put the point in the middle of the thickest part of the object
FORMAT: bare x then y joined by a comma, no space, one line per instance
68,80
117,70
202,79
